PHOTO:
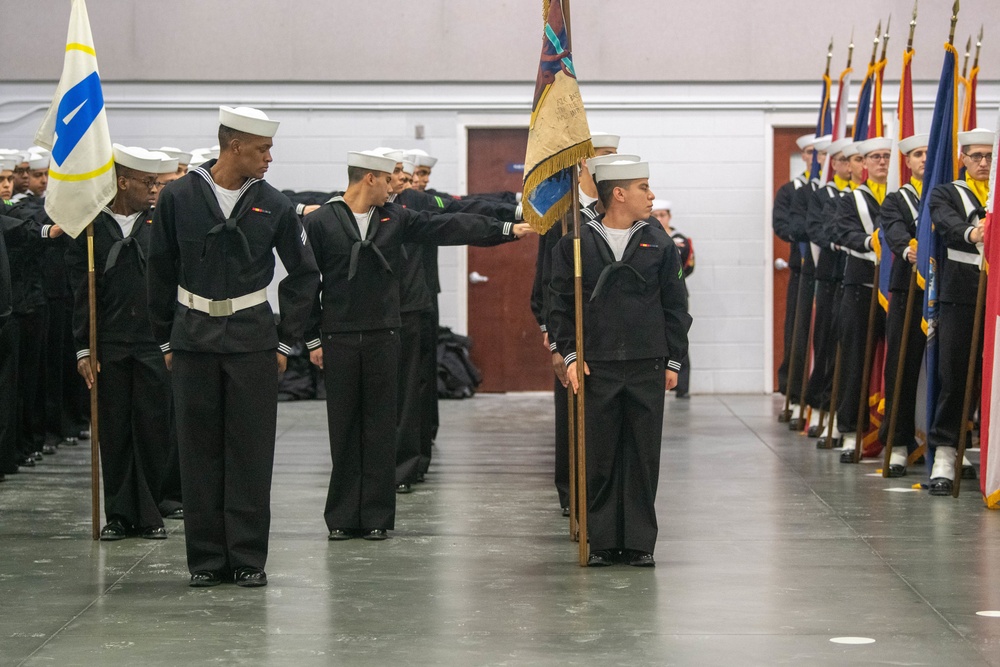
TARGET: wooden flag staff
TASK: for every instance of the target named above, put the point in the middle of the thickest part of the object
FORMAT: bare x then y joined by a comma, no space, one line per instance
95,455
581,435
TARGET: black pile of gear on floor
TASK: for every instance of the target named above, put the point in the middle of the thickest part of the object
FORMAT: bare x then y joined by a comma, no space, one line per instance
458,377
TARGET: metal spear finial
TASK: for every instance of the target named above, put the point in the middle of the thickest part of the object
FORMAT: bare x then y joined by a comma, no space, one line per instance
979,45
913,27
885,37
878,38
850,49
954,20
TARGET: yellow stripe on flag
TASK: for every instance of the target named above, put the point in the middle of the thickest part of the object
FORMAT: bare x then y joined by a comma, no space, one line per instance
82,177
76,46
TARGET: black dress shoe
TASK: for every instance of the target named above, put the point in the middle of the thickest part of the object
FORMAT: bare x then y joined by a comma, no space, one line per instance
153,533
27,462
114,531
404,488
969,472
940,486
565,511
420,478
640,559
375,534
602,558
49,450
847,457
69,442
338,535
896,470
38,456
250,577
175,514
84,435
204,579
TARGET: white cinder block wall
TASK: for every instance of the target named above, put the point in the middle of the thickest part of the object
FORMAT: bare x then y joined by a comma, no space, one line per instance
709,146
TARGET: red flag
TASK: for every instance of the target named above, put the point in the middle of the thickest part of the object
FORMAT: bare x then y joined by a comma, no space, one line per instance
969,107
989,440
905,112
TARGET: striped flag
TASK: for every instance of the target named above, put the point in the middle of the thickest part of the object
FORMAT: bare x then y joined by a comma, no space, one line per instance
824,126
989,432
558,135
941,167
839,127
969,104
864,106
75,129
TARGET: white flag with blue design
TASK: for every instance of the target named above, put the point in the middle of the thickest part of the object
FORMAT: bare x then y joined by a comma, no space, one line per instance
75,129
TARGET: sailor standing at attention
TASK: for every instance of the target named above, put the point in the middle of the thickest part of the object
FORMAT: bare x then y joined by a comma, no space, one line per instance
211,259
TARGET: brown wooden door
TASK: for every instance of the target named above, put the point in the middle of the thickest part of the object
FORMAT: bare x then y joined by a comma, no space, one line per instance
784,149
507,344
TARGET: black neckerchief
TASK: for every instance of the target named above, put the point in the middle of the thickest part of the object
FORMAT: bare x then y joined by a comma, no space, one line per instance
612,265
122,241
229,225
351,225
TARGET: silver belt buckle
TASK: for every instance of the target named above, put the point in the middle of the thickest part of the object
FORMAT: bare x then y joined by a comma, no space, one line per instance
222,308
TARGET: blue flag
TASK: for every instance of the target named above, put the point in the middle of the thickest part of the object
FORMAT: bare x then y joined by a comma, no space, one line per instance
864,107
941,168
824,126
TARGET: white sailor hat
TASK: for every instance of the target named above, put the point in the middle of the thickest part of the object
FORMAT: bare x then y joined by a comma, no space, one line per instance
249,120
805,141
198,159
592,162
371,160
421,158
183,157
874,144
605,140
12,153
38,150
621,171
394,153
977,137
851,149
9,162
912,143
822,144
38,161
839,145
137,158
408,166
662,205
168,165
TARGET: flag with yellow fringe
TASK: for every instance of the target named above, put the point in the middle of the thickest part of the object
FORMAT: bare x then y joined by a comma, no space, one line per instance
558,136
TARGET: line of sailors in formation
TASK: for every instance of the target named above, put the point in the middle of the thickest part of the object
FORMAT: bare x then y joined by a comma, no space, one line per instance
831,230
179,439
187,340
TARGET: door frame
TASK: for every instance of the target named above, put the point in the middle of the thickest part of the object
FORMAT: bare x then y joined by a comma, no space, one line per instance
466,122
773,119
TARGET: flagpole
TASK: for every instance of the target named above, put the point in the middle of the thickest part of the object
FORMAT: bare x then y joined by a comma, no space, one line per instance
828,441
911,289
897,384
581,435
571,430
866,369
963,431
95,455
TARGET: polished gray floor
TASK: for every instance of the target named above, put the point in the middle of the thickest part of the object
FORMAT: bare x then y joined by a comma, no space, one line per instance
768,549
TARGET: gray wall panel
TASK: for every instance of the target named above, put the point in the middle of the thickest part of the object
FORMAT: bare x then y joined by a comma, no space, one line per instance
481,40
